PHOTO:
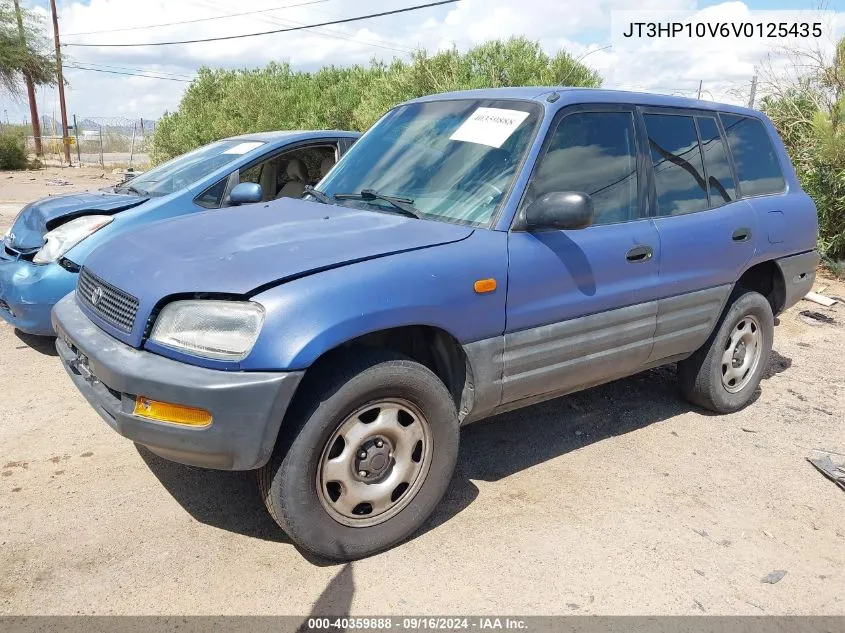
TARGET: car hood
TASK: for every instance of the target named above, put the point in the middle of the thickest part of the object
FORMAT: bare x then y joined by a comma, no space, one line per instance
242,251
36,218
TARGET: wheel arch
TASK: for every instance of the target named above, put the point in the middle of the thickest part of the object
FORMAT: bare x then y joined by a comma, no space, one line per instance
429,345
767,279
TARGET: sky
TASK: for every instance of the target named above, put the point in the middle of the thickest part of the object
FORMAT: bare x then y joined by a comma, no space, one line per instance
580,26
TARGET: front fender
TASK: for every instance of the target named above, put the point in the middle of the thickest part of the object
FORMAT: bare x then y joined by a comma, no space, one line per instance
310,316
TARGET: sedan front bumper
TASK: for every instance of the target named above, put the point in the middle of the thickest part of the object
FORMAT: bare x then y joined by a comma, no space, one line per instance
28,293
246,407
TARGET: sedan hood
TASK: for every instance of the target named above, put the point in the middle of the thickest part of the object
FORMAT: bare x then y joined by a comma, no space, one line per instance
241,251
27,233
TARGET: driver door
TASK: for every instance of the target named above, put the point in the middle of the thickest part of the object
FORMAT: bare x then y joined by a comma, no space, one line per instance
582,304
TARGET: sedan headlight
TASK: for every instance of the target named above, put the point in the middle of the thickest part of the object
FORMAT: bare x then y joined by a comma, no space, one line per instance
224,330
59,241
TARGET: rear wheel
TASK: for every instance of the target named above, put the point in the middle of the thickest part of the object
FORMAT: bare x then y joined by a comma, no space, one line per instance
725,372
371,449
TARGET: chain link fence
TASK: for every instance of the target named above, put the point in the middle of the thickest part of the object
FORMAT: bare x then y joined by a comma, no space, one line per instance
104,141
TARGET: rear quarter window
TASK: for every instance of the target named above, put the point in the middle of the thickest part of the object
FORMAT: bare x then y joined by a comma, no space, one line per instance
756,163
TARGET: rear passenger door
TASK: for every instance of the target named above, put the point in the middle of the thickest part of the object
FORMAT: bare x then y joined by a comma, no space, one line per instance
707,235
581,304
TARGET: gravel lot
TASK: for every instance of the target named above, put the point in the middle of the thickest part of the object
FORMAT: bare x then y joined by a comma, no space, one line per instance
622,499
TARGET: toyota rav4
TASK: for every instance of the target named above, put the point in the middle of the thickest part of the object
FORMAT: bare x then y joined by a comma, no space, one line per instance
473,253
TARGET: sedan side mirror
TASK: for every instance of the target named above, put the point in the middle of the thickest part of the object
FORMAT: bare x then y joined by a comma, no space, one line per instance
246,193
558,210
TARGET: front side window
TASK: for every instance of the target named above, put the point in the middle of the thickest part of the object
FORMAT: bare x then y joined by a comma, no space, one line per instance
720,180
185,170
678,168
454,160
594,153
756,162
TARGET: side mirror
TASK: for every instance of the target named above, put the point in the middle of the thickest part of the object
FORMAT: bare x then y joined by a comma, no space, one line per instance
558,210
246,193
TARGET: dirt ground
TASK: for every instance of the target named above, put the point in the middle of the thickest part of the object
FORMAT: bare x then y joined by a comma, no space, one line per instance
623,499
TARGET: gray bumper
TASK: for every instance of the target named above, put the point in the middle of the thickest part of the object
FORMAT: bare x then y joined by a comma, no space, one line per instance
799,275
246,407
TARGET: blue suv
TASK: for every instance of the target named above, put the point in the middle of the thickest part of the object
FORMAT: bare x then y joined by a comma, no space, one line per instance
473,253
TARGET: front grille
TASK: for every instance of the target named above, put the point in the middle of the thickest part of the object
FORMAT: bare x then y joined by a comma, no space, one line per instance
113,306
5,306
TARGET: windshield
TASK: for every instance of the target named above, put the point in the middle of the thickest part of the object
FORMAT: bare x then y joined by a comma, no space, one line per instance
455,160
183,171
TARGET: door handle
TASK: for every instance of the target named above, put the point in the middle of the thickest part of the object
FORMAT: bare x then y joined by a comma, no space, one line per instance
741,235
639,254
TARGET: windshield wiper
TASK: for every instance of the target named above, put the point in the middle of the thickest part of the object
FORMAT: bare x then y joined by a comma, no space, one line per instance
318,195
135,190
405,205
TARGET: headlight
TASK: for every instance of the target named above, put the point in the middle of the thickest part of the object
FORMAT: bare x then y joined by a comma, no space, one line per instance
225,330
61,240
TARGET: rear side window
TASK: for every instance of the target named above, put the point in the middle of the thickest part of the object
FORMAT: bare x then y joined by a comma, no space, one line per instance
756,162
596,153
678,168
720,180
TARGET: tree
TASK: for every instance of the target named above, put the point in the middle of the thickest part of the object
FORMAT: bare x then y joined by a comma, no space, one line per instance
20,56
807,106
221,103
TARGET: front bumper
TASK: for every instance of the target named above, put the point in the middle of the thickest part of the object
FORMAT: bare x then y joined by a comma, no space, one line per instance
28,293
246,407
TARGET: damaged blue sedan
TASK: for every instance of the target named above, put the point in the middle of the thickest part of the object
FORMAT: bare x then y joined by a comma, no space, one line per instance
44,250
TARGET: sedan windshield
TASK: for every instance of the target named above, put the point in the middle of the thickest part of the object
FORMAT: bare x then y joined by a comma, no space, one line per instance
444,160
183,171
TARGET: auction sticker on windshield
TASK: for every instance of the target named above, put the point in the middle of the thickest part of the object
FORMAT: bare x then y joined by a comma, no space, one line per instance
243,148
489,126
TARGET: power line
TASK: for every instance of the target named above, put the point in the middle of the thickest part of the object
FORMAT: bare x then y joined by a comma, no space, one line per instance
285,30
117,72
140,70
330,33
217,17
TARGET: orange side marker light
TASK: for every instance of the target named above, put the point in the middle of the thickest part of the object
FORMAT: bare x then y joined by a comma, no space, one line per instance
483,286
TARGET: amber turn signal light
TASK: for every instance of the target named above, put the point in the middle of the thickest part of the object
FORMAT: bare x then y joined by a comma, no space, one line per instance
171,413
484,285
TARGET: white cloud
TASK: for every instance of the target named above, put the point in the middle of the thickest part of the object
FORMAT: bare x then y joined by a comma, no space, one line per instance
581,27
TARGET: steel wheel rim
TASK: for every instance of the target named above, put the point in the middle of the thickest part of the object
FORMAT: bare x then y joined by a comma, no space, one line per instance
391,434
741,356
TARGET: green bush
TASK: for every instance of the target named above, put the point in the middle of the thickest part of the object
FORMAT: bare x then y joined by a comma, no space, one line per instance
817,151
12,150
221,103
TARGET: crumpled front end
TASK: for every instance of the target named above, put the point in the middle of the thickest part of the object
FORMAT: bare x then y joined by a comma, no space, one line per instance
28,292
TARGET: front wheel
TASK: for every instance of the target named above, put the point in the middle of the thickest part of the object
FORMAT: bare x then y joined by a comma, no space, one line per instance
370,449
725,372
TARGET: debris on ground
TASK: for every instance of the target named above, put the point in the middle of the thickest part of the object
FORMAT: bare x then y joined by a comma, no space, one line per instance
748,430
57,182
773,577
815,297
831,465
816,316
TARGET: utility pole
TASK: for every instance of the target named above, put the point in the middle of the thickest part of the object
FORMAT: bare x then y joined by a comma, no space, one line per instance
30,89
700,83
753,91
65,140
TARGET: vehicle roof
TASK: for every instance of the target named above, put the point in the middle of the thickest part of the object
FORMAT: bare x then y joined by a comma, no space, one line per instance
293,135
587,95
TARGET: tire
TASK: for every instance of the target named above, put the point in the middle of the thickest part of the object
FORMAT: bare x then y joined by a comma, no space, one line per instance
334,400
705,378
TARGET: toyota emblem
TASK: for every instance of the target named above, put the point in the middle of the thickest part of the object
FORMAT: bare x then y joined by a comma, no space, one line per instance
96,295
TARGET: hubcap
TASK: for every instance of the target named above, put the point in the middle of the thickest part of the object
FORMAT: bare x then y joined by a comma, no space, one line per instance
374,463
742,354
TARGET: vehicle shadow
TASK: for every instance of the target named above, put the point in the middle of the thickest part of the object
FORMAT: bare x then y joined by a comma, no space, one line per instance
225,499
490,450
42,344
